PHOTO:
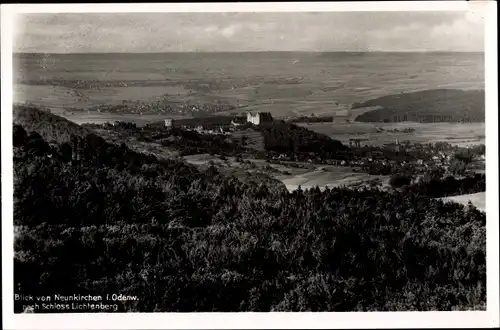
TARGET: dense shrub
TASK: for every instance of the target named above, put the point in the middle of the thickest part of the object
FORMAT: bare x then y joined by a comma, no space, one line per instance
450,186
192,142
457,167
398,180
66,152
19,136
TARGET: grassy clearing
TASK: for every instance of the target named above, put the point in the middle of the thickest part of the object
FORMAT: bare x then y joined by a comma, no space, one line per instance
478,200
331,176
308,176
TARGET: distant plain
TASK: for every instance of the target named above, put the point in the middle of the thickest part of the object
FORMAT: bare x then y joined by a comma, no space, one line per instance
285,84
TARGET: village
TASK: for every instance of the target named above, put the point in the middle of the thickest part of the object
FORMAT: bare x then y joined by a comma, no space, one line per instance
414,159
163,107
410,158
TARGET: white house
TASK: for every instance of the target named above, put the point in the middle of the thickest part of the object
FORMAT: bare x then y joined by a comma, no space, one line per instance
169,123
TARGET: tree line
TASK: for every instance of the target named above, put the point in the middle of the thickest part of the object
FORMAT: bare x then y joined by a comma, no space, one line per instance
437,105
287,138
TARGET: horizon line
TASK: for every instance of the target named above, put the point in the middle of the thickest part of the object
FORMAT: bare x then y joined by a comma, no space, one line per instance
259,51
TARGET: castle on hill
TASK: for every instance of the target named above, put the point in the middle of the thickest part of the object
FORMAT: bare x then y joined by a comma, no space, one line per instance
259,118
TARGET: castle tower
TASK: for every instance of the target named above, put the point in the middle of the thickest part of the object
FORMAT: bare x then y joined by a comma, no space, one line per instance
259,118
169,123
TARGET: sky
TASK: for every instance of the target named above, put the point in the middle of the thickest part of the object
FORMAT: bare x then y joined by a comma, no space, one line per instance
223,32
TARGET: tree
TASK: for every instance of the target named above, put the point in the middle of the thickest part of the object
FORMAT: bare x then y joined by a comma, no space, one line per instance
457,167
437,173
37,145
243,140
66,152
19,136
466,157
206,241
398,180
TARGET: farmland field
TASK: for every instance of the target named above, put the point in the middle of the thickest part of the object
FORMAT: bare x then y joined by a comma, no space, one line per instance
453,133
286,84
334,176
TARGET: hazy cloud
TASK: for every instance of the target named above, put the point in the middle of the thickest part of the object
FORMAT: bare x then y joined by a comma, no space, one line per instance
326,31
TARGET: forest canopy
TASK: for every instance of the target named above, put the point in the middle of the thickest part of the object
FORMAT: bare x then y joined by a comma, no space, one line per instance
437,105
92,217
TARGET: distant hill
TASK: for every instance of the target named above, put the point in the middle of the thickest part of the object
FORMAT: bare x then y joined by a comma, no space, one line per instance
437,105
95,150
51,127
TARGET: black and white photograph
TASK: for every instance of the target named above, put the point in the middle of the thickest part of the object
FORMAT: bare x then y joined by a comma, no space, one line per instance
267,161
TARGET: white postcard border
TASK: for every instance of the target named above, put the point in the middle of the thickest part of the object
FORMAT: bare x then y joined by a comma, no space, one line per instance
489,318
